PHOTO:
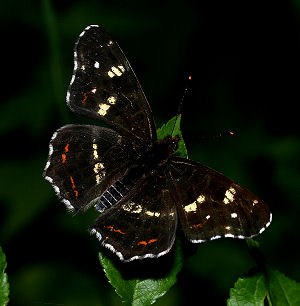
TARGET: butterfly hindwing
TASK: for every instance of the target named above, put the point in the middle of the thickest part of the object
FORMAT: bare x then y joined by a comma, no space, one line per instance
105,88
84,160
143,224
212,206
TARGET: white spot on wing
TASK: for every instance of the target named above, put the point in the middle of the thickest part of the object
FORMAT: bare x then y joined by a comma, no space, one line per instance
116,71
101,175
75,61
47,165
132,208
68,96
215,237
152,213
233,215
95,153
121,68
96,65
111,100
201,198
198,241
91,26
191,207
103,108
68,205
72,79
81,34
97,234
270,220
50,150
49,179
98,167
229,195
54,136
110,74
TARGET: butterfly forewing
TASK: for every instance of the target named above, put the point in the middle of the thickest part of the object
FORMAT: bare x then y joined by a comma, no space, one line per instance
105,88
143,224
84,160
212,206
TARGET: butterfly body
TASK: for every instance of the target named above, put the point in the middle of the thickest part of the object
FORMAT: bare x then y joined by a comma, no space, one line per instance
134,180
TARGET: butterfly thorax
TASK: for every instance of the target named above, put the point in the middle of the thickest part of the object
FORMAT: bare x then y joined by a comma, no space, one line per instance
161,151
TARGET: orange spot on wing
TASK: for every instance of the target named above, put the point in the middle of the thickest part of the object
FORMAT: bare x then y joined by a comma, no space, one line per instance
152,240
142,243
111,228
63,157
190,77
72,181
84,99
199,225
85,96
73,186
145,242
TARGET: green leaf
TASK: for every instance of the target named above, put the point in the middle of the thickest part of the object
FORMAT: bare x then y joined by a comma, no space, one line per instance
278,288
248,291
252,244
172,127
141,291
283,290
4,286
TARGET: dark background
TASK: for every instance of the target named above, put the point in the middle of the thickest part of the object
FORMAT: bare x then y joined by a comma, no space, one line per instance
244,61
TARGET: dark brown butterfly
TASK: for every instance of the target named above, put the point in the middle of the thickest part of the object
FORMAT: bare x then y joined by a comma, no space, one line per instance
133,179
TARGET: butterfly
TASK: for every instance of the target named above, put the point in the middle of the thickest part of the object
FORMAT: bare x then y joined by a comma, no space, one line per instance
135,182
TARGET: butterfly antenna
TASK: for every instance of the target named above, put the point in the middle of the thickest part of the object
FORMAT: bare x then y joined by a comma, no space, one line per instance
214,137
181,103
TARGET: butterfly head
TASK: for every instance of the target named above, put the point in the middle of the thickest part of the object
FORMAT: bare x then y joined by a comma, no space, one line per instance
173,143
170,143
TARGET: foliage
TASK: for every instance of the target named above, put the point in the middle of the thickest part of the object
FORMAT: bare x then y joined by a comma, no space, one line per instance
141,291
4,286
172,127
273,286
